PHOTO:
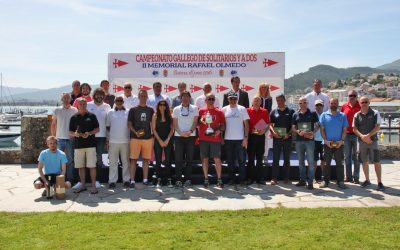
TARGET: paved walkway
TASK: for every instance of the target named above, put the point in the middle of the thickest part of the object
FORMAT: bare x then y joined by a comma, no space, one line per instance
17,194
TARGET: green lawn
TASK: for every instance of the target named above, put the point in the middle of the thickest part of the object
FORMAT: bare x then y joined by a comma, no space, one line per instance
329,228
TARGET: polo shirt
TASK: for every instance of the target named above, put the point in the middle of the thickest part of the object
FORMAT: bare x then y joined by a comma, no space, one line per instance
350,111
282,118
101,112
118,123
308,116
52,161
256,116
313,96
365,123
88,98
84,123
333,125
218,119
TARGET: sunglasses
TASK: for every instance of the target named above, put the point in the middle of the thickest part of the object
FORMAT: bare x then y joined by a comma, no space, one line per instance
119,100
211,99
364,102
162,105
127,87
232,99
352,95
302,103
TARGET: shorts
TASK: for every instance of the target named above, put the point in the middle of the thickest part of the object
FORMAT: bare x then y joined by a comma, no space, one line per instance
52,180
144,146
319,151
210,149
369,152
82,154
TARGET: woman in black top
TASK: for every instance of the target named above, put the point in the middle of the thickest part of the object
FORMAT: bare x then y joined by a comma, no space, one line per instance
163,130
265,95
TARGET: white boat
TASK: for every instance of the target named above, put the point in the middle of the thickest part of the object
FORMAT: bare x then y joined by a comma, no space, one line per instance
6,135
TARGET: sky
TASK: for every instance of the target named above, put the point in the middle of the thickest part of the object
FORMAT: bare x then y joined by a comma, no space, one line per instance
50,43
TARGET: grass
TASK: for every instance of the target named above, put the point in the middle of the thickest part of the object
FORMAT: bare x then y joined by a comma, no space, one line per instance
329,228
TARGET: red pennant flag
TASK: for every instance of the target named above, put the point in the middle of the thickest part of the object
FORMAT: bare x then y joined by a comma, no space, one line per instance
143,87
268,62
194,88
118,63
246,87
117,88
220,88
273,87
169,88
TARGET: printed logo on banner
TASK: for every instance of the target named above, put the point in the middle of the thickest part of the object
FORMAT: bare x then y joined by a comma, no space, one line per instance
220,88
268,62
118,63
194,88
169,88
246,87
273,87
165,73
143,87
221,73
234,72
155,73
117,88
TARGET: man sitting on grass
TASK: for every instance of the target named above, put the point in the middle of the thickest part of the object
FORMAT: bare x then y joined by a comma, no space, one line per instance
54,162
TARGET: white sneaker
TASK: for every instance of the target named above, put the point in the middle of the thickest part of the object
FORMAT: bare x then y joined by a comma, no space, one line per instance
98,184
77,185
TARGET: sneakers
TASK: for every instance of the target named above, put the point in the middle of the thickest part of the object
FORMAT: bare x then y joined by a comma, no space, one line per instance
310,186
146,183
169,183
356,181
348,179
98,184
77,185
206,183
132,185
341,185
111,185
178,184
324,184
188,183
366,183
220,184
126,184
158,183
301,183
381,187
274,182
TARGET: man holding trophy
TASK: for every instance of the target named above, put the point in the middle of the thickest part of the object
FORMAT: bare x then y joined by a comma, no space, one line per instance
211,126
304,124
333,131
258,124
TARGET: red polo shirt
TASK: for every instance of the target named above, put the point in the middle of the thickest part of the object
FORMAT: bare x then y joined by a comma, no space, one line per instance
256,116
218,118
350,111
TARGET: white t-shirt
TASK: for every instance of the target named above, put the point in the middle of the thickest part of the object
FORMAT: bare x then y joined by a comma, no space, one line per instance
63,116
185,116
313,96
234,118
130,102
201,102
118,123
101,112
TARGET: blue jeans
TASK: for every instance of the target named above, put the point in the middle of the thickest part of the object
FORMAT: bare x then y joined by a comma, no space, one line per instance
100,144
350,155
67,146
306,149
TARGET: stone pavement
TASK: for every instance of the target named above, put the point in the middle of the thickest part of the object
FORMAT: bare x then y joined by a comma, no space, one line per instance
17,194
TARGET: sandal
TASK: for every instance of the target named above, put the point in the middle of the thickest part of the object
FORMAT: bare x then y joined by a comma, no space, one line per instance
94,191
77,191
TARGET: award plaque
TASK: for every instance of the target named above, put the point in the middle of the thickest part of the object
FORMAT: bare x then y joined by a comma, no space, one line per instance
304,126
259,127
281,131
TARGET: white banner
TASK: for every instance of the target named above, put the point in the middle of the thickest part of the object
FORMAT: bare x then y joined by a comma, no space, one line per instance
142,70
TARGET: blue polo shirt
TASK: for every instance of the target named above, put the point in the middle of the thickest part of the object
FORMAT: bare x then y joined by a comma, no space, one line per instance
333,125
52,161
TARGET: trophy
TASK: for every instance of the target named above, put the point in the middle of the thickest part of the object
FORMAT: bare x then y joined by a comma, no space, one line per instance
49,191
334,144
60,187
209,120
140,132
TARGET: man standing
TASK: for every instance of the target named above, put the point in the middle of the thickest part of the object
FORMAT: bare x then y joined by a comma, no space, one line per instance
333,131
176,101
258,126
141,142
211,126
83,126
130,100
236,136
85,94
60,129
157,96
243,97
76,91
108,98
201,100
319,141
100,109
281,124
117,125
350,108
185,117
366,125
304,125
316,94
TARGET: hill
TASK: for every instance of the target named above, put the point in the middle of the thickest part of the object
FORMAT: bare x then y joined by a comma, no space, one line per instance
391,66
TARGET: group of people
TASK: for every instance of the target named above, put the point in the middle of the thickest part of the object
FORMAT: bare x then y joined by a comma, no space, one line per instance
155,127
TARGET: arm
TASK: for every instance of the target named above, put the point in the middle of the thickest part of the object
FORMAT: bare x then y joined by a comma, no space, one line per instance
175,121
40,169
194,125
323,134
53,126
246,133
63,168
153,127
130,126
